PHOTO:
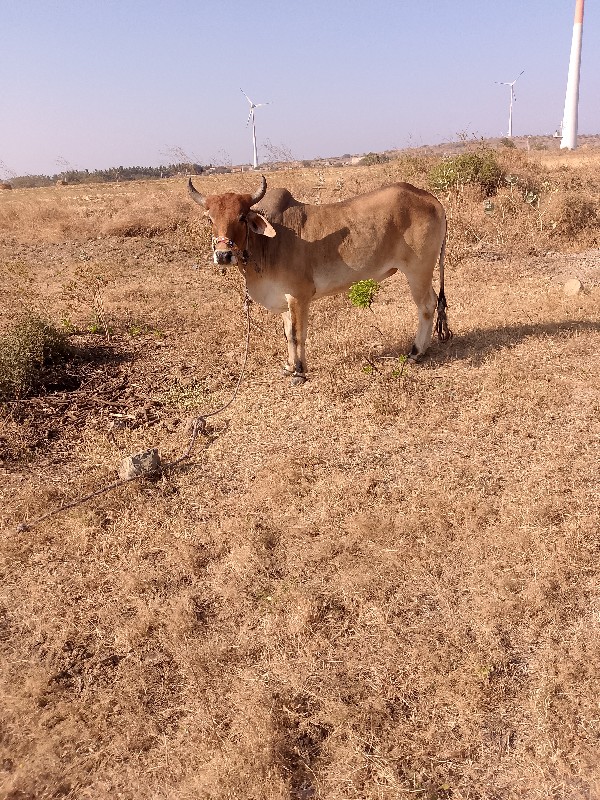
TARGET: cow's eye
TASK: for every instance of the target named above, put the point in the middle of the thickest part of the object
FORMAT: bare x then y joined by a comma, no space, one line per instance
242,218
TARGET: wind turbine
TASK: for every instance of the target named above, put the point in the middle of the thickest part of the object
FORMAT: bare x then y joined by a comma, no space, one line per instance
251,117
569,123
511,84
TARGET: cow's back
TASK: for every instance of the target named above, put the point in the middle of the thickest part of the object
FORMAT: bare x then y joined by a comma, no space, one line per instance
397,200
394,209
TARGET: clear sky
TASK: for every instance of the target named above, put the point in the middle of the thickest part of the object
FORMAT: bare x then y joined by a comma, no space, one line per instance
89,84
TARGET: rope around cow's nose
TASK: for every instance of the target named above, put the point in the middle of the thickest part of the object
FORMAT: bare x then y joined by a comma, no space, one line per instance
147,464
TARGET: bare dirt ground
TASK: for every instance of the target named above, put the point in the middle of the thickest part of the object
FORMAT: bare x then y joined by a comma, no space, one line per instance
382,584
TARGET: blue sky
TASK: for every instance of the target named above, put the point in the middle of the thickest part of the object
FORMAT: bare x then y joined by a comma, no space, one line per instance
101,83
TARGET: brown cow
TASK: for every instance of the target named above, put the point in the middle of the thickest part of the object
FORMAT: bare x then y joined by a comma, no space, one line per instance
294,253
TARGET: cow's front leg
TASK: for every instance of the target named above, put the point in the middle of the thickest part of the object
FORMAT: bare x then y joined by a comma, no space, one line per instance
295,322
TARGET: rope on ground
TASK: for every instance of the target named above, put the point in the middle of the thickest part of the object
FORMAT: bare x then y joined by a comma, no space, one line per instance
198,426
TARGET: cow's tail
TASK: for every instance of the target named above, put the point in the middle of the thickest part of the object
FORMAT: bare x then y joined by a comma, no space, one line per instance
441,324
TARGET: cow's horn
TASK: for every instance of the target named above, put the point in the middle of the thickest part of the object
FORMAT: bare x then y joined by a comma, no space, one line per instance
258,196
195,194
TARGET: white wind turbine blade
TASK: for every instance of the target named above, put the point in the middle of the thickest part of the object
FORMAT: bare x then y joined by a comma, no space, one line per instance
512,85
250,116
247,98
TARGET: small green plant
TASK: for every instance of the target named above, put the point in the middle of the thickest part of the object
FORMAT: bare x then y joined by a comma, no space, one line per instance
478,169
399,370
96,326
362,293
506,142
135,327
25,349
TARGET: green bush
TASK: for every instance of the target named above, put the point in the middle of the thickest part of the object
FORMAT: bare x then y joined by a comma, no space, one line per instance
373,158
478,169
25,349
362,293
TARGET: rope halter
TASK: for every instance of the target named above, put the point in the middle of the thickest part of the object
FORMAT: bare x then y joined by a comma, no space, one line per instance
241,255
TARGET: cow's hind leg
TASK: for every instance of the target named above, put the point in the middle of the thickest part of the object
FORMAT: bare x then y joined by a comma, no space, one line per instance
295,323
426,300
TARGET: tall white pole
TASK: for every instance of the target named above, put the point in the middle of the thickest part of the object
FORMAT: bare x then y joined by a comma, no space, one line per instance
569,126
254,142
510,112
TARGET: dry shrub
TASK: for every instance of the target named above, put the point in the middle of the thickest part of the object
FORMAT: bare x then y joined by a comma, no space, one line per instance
47,215
517,163
161,215
83,212
27,218
26,349
464,212
533,207
411,168
577,217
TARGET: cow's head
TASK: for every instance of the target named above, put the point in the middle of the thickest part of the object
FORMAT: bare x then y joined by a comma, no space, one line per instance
233,220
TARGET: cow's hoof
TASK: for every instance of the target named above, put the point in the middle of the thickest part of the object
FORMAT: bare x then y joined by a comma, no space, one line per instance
286,371
298,380
414,355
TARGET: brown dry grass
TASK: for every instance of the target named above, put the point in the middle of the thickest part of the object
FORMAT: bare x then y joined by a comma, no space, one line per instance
373,586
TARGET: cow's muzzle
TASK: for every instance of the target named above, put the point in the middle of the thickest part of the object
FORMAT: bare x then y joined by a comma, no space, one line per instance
223,257
231,255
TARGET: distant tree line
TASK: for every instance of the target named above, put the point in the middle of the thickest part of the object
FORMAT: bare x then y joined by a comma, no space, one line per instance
112,175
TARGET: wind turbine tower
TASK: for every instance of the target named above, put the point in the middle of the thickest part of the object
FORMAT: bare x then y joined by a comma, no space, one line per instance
511,85
251,117
569,124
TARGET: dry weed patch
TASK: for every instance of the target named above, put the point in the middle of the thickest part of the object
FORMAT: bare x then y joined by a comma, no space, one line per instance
382,584
28,347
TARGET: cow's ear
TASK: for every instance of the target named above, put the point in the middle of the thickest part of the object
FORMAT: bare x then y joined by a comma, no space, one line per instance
258,224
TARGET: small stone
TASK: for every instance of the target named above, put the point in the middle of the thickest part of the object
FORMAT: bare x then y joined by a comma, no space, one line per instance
145,463
572,287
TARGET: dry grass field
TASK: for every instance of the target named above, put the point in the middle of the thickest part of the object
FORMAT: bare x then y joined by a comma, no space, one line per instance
382,584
